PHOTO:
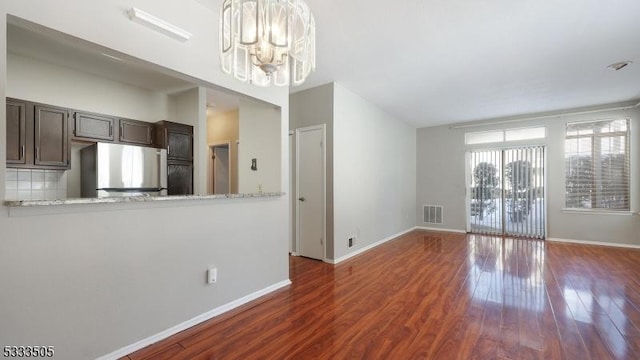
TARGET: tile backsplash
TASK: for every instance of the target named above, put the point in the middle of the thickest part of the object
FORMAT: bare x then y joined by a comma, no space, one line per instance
28,184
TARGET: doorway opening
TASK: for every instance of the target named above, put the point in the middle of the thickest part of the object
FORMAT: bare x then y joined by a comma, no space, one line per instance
220,169
506,192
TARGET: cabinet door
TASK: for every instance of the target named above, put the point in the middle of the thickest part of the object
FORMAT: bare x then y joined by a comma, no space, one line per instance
135,132
51,137
16,132
93,126
179,145
179,179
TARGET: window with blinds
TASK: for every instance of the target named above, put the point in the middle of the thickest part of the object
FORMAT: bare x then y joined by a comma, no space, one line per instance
597,165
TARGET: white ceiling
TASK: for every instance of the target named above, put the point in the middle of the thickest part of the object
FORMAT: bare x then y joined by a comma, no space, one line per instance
432,62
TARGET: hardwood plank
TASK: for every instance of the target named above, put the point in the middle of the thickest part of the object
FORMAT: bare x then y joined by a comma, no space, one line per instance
430,295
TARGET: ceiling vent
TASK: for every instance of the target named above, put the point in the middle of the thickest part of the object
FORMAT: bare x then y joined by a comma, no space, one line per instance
619,65
433,214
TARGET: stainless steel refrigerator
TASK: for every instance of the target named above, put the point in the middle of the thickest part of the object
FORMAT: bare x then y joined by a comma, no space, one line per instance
116,170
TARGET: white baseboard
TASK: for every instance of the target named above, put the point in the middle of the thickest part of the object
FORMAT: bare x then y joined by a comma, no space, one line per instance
192,322
588,242
438,229
368,247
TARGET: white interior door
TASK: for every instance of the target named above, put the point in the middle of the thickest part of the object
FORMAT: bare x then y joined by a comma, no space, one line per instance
221,170
310,179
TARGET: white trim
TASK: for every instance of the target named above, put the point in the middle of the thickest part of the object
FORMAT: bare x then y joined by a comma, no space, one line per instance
192,322
588,242
438,229
322,128
368,247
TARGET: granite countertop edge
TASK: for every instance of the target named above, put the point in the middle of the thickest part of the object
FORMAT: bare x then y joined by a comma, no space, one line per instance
137,199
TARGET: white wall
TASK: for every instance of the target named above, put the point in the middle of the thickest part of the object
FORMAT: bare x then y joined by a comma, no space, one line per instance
374,173
92,279
260,137
441,179
35,80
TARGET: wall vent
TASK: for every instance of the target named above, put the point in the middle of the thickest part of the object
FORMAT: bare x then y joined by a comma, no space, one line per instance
433,214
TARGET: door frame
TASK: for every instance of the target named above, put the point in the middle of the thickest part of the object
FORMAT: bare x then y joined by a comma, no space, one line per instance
212,178
322,128
468,178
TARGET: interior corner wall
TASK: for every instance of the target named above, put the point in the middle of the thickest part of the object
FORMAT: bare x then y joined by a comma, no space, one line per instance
374,173
260,137
441,179
223,128
308,108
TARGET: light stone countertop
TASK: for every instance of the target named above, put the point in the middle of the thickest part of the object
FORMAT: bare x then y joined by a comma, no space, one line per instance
136,199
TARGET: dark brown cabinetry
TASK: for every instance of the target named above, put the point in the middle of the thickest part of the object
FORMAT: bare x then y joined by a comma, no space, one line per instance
37,135
51,136
179,178
178,140
93,126
16,132
136,132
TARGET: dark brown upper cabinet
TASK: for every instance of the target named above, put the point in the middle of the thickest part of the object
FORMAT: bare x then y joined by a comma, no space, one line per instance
92,126
37,136
51,137
16,132
136,132
177,139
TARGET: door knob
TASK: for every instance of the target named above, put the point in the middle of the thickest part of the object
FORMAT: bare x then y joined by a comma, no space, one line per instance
301,199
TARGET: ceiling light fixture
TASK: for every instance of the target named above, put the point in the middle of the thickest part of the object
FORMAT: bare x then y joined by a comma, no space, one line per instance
619,65
267,41
160,25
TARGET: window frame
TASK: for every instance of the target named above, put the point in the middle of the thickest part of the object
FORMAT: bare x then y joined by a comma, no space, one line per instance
504,134
595,154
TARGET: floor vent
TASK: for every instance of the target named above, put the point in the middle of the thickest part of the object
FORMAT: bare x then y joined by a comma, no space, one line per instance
433,214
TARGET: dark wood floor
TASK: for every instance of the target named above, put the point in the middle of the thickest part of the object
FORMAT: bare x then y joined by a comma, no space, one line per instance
429,295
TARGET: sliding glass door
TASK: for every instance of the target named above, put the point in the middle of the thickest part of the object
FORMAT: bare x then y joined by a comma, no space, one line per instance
506,192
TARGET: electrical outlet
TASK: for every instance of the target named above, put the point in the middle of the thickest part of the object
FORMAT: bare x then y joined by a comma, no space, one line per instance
351,241
212,275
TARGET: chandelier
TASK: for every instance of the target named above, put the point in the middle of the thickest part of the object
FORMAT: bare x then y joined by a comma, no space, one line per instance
267,41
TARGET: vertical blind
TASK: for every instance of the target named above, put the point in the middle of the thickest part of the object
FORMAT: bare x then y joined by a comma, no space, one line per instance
597,158
507,192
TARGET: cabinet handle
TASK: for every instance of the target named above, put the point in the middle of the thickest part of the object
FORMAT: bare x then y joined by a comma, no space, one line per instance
37,153
21,151
110,129
168,149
